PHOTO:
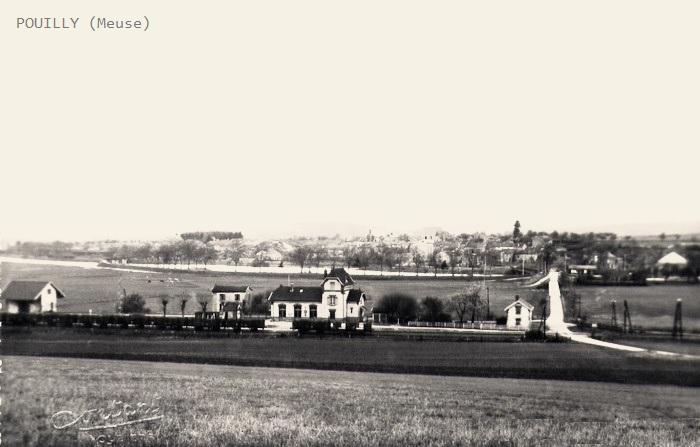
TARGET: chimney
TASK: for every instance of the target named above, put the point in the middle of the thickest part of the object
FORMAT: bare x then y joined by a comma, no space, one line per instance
517,297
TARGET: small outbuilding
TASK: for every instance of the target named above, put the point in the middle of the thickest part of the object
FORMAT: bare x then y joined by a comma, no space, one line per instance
519,314
31,297
229,297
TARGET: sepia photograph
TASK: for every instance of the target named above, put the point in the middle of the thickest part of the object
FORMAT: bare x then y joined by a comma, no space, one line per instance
331,223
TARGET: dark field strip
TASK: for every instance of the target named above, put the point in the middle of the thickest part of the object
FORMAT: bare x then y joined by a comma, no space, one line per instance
563,361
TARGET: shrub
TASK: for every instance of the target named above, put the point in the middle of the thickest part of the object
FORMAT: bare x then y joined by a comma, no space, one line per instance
134,304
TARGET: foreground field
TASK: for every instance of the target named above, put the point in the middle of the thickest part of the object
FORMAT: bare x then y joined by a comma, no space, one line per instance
100,289
569,361
205,405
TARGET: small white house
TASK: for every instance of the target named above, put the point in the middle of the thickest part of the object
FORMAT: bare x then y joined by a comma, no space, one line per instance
519,314
335,299
229,296
30,297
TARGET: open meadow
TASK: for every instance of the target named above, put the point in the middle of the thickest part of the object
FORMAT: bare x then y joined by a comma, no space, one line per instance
100,289
214,405
567,361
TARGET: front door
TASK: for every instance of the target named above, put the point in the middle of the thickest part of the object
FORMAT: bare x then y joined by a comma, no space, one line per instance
331,314
23,307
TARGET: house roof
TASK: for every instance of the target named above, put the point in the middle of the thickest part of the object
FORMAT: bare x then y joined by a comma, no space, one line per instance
354,296
302,294
523,303
226,288
27,290
342,275
673,258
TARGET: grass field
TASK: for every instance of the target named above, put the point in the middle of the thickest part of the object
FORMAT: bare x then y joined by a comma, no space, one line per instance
99,289
211,405
568,361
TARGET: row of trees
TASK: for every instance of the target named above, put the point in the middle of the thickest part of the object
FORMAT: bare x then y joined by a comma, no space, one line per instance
189,251
467,305
208,236
135,303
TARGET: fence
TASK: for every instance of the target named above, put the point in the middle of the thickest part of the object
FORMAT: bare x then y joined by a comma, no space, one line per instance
323,325
456,325
132,321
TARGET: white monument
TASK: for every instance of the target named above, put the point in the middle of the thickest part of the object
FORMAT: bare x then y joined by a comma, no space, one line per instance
555,319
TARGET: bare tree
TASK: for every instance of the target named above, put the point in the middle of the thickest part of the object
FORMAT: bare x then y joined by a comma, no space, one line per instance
417,258
318,253
203,300
300,255
468,301
454,252
235,251
209,254
183,304
164,300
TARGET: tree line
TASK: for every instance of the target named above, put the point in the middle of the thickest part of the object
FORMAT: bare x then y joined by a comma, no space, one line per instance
467,305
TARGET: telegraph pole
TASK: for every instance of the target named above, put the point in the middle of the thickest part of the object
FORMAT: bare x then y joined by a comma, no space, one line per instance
678,320
488,304
613,320
627,324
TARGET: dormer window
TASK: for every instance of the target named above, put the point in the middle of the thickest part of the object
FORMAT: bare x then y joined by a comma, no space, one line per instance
332,284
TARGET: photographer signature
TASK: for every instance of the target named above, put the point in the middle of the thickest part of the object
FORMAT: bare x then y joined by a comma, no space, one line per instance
117,414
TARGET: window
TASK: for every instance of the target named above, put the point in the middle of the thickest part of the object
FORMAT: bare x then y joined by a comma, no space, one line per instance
283,311
297,311
48,291
222,296
517,321
332,299
517,309
351,310
332,283
331,314
237,297
312,311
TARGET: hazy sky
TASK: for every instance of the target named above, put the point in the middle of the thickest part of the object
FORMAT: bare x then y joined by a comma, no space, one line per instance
281,117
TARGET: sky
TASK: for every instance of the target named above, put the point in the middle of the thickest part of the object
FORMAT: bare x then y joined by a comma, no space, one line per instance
314,117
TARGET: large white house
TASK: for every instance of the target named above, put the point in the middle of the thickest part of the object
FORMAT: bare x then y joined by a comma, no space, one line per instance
229,297
335,299
30,297
519,314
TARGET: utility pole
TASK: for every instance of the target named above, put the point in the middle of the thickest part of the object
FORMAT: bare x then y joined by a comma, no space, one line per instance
627,324
544,318
678,320
613,320
488,304
522,273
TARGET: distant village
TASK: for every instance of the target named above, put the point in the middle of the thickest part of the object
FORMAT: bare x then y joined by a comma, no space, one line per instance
590,256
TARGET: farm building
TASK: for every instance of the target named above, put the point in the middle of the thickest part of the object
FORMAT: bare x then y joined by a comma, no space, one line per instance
227,298
519,314
30,297
672,259
335,298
